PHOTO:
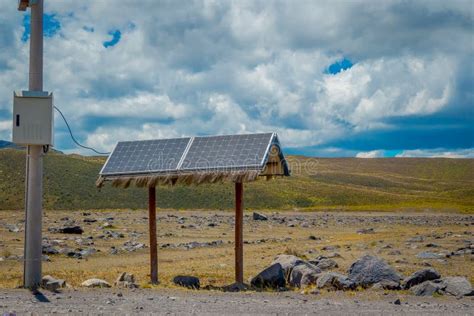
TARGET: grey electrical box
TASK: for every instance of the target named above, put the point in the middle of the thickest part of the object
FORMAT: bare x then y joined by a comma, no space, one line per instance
33,119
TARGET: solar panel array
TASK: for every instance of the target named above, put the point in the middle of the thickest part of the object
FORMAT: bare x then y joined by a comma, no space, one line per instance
188,154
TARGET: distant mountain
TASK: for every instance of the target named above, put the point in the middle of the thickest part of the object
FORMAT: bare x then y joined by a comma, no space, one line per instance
4,144
7,144
315,184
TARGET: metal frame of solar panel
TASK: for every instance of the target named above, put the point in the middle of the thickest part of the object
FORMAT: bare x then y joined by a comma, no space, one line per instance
187,155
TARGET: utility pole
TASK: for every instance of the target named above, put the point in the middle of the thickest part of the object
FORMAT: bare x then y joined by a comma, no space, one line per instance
34,156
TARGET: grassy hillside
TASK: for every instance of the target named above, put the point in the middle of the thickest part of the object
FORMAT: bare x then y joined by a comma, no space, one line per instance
328,183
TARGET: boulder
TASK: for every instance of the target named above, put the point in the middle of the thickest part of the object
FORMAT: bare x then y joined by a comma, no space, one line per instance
126,280
287,262
420,277
327,264
386,285
334,281
51,284
259,217
304,274
95,283
369,270
427,288
188,281
458,286
272,276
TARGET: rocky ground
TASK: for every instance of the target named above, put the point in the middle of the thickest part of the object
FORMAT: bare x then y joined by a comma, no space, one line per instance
419,258
163,301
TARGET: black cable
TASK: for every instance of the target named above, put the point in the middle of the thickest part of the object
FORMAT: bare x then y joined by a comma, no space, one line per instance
74,139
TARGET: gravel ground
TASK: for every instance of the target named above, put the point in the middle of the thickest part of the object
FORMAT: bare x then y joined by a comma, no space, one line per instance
148,301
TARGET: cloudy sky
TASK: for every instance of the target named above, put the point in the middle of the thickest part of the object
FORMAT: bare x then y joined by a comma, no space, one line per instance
333,78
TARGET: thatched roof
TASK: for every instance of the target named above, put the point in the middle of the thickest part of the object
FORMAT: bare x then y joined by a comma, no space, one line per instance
196,160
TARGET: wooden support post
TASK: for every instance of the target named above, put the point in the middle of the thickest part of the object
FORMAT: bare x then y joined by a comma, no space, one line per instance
239,243
152,230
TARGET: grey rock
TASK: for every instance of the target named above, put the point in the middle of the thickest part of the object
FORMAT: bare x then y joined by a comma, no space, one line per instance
312,237
369,270
259,217
236,287
416,239
366,231
304,274
330,248
51,284
87,252
394,253
13,228
67,230
420,277
49,250
386,285
191,282
272,277
458,286
132,245
429,255
126,280
334,281
287,262
427,288
95,283
107,225
327,264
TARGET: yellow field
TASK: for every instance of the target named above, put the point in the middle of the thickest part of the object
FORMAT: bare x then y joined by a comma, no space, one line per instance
215,265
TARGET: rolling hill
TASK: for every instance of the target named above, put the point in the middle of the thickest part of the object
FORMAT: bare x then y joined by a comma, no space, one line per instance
316,183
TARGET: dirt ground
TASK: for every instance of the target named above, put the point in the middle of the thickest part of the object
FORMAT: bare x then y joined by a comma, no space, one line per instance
170,302
200,243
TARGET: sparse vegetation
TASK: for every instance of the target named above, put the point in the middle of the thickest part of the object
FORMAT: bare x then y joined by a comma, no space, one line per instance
316,184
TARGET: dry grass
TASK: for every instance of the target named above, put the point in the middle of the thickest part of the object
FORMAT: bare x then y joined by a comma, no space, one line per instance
215,266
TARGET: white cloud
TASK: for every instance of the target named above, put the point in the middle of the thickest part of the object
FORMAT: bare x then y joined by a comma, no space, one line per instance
371,154
5,129
231,67
438,153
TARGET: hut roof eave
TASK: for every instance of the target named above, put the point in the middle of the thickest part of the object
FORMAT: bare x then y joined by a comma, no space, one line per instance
194,178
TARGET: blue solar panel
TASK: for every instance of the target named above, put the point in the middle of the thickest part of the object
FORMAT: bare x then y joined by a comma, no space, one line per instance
227,152
207,153
145,156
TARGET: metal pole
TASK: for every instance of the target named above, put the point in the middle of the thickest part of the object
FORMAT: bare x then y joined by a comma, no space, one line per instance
152,229
239,243
34,194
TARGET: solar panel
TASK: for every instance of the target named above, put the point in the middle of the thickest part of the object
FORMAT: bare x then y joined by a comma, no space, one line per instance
227,152
145,156
207,153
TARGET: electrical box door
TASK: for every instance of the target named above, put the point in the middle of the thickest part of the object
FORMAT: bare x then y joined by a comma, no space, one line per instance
33,118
